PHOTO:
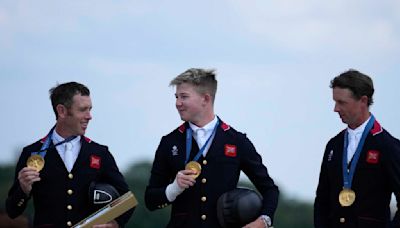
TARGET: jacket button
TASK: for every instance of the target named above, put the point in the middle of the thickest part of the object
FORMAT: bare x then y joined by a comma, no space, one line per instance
203,199
70,192
203,217
69,207
204,162
70,176
69,223
342,220
204,180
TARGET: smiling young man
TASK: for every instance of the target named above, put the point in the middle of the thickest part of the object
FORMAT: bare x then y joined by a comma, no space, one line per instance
57,170
361,165
202,159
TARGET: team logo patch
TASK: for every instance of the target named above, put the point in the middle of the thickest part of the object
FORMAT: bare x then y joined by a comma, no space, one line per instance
230,150
95,162
330,155
174,151
373,156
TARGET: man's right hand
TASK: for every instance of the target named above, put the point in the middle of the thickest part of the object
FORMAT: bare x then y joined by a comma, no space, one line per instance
26,177
185,178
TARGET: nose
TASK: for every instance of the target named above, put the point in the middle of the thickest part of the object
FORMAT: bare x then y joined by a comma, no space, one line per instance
89,115
336,108
178,102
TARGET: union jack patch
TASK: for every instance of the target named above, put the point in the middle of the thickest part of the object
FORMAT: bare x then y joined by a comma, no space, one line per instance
230,150
95,162
373,156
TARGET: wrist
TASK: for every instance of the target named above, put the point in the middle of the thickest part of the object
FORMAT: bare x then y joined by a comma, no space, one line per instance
173,190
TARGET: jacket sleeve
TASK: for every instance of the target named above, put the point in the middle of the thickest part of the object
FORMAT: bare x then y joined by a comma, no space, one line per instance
160,178
113,176
252,166
17,200
321,203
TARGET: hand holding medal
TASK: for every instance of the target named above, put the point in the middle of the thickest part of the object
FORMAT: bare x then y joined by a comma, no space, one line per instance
36,162
195,166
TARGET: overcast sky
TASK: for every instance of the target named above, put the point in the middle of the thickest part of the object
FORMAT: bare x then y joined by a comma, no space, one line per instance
274,61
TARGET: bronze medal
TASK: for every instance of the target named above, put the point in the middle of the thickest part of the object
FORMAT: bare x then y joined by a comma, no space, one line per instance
347,197
35,161
195,166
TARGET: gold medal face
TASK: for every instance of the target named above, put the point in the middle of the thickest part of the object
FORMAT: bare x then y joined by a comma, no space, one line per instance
195,166
35,161
347,197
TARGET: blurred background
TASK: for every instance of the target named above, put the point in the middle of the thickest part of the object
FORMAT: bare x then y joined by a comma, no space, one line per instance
274,62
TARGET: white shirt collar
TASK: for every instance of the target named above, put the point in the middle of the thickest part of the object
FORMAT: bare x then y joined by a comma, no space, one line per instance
207,127
359,129
58,138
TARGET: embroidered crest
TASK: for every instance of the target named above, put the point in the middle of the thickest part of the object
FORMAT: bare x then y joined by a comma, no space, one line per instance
230,150
174,151
95,162
373,157
330,155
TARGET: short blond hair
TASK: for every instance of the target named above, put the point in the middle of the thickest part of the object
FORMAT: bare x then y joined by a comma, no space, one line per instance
202,79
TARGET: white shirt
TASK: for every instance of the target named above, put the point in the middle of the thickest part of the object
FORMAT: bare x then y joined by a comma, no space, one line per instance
76,147
353,138
201,134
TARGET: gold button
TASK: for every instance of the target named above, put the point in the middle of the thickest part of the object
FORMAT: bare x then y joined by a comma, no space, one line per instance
69,207
70,176
70,192
204,180
203,217
203,199
342,220
204,162
69,223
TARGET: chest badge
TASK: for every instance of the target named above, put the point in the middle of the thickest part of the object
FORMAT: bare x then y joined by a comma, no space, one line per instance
373,156
330,155
174,151
95,162
230,150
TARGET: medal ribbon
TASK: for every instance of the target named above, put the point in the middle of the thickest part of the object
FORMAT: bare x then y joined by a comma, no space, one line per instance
46,145
348,174
189,133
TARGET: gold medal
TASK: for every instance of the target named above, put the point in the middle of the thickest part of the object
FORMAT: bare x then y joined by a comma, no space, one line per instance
347,197
35,161
195,166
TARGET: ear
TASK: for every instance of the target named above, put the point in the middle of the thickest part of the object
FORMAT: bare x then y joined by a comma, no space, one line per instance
364,99
207,98
61,111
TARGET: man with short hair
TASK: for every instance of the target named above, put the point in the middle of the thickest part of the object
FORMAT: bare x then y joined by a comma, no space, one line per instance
361,165
202,159
57,170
